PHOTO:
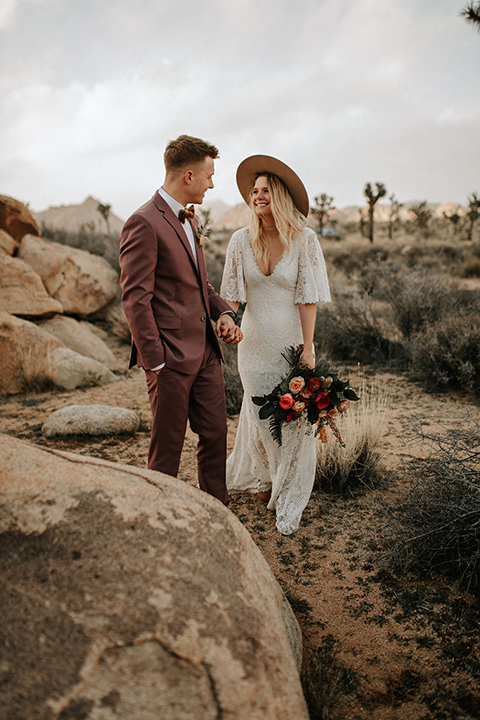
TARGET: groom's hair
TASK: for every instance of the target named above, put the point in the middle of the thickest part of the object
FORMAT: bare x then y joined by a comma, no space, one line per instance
186,150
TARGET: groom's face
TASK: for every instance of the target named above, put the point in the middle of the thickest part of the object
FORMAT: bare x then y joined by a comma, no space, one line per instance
201,180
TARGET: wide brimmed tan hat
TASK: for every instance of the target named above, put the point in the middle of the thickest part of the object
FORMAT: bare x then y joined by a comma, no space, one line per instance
250,168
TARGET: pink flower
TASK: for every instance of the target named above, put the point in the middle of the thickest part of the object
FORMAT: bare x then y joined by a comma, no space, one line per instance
344,405
286,401
296,384
322,400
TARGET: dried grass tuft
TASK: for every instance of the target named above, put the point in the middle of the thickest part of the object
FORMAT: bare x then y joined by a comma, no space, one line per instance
359,463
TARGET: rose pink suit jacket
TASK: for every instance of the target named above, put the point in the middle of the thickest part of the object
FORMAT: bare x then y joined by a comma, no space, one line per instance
167,301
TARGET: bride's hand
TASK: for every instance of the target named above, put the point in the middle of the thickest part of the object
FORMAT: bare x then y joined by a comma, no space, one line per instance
308,358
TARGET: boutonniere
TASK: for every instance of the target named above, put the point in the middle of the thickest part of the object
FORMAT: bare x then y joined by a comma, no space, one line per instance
202,233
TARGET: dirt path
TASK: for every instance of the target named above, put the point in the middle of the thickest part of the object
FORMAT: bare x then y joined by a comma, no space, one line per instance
377,649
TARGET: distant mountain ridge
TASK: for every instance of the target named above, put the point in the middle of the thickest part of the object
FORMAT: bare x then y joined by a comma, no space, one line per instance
73,218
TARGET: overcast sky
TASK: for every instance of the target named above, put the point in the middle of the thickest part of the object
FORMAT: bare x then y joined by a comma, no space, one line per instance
344,91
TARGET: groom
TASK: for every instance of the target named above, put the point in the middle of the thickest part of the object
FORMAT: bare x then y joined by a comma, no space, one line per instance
169,305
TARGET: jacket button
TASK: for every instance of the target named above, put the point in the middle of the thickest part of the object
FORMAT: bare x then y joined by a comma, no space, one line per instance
203,318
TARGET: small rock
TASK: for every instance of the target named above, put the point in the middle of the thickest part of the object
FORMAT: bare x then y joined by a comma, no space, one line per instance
91,420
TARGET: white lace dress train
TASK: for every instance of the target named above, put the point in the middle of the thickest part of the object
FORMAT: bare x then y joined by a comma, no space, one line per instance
271,322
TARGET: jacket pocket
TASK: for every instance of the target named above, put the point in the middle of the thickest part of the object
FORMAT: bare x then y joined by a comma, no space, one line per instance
170,322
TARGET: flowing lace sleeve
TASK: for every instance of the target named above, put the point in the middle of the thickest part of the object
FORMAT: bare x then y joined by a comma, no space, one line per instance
312,282
233,285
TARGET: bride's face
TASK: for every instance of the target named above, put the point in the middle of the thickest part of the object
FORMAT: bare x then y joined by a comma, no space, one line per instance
261,198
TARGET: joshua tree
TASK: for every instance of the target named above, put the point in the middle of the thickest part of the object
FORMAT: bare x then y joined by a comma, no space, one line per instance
395,208
473,213
455,219
104,210
323,205
422,216
471,12
373,198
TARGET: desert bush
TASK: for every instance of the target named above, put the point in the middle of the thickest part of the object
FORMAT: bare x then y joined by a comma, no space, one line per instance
325,678
418,298
447,354
359,463
435,526
354,328
233,384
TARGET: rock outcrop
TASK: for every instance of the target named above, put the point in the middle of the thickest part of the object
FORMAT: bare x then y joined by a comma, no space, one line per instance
16,219
22,291
83,283
7,243
69,370
33,358
129,594
79,337
91,420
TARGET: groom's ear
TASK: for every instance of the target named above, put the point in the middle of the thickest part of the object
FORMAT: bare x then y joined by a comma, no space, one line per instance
188,176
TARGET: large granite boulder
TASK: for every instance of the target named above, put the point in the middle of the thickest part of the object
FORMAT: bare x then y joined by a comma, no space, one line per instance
127,594
7,243
91,420
83,283
33,358
69,370
16,219
79,337
22,291
24,350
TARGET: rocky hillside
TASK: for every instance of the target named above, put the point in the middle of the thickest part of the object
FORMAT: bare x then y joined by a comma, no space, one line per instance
77,217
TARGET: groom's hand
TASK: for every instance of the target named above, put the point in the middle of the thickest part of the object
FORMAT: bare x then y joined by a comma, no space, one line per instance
228,331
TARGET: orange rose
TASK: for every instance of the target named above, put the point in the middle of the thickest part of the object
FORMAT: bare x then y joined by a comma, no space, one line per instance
296,384
299,406
286,401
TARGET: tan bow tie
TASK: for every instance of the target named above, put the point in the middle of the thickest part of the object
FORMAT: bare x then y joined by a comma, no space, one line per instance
186,214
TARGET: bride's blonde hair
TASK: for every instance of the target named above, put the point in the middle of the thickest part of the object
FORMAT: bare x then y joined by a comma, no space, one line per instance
288,220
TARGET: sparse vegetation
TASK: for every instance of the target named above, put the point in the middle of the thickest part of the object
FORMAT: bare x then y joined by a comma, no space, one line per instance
434,527
359,463
372,198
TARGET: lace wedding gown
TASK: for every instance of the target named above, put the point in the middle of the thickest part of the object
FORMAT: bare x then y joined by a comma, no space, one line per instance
271,322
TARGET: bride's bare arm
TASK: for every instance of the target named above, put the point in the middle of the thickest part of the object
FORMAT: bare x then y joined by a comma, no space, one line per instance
308,315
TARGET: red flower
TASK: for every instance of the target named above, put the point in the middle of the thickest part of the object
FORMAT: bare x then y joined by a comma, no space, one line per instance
286,401
291,416
322,400
313,385
344,405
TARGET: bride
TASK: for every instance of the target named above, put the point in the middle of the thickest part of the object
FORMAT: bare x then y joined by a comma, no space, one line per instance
276,267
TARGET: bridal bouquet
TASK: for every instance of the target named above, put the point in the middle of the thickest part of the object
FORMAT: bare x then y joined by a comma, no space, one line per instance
316,395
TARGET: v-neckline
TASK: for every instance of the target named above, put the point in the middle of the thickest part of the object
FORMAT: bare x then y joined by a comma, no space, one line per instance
258,266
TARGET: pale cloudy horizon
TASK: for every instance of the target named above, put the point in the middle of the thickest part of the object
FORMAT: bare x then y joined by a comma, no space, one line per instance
344,91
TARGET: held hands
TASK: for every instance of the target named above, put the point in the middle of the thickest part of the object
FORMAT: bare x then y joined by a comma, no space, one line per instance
228,331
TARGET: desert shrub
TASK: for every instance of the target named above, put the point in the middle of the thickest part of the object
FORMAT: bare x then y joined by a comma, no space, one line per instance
435,526
447,354
116,322
418,298
325,678
356,258
354,328
470,268
359,463
233,384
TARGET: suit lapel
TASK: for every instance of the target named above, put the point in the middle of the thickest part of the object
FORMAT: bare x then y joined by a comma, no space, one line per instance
175,223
